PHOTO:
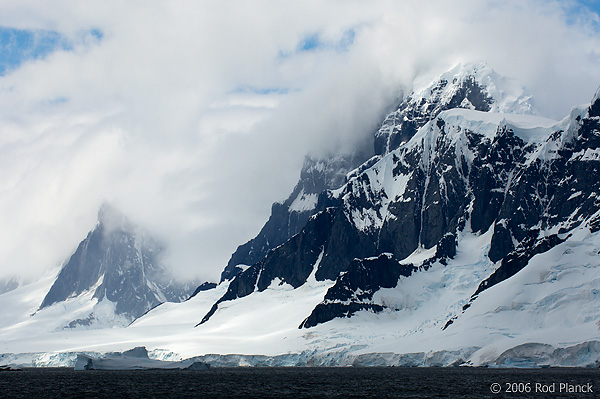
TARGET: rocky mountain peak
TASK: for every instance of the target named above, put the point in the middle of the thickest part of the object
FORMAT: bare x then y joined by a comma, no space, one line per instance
119,264
473,86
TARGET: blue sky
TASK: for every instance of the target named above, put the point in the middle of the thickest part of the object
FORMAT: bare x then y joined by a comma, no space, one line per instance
19,45
594,5
314,41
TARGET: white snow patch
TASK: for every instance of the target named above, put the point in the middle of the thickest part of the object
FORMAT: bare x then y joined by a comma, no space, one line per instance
312,280
419,256
591,155
243,267
304,202
574,195
527,127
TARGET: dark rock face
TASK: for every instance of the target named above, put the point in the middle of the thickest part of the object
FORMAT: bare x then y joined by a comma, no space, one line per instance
289,217
354,290
203,287
594,110
559,189
122,264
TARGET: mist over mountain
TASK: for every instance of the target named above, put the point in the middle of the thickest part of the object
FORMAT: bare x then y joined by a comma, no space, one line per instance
461,162
119,265
398,201
384,183
467,235
178,123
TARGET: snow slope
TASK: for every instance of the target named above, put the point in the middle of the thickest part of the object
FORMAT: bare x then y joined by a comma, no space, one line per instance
545,303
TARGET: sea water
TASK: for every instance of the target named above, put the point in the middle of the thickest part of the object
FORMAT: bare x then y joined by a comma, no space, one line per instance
303,382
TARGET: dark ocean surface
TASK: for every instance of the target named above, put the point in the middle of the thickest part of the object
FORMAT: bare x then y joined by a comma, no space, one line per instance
305,382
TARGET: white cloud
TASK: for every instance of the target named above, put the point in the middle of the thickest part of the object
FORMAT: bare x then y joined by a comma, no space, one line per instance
164,115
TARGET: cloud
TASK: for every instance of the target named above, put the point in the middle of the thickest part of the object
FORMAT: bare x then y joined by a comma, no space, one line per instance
193,117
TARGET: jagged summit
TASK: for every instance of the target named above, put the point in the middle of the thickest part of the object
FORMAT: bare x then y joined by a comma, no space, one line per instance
505,95
473,86
119,265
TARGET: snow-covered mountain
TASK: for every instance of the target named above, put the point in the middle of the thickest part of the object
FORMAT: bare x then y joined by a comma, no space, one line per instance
471,86
469,235
521,188
118,266
414,194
